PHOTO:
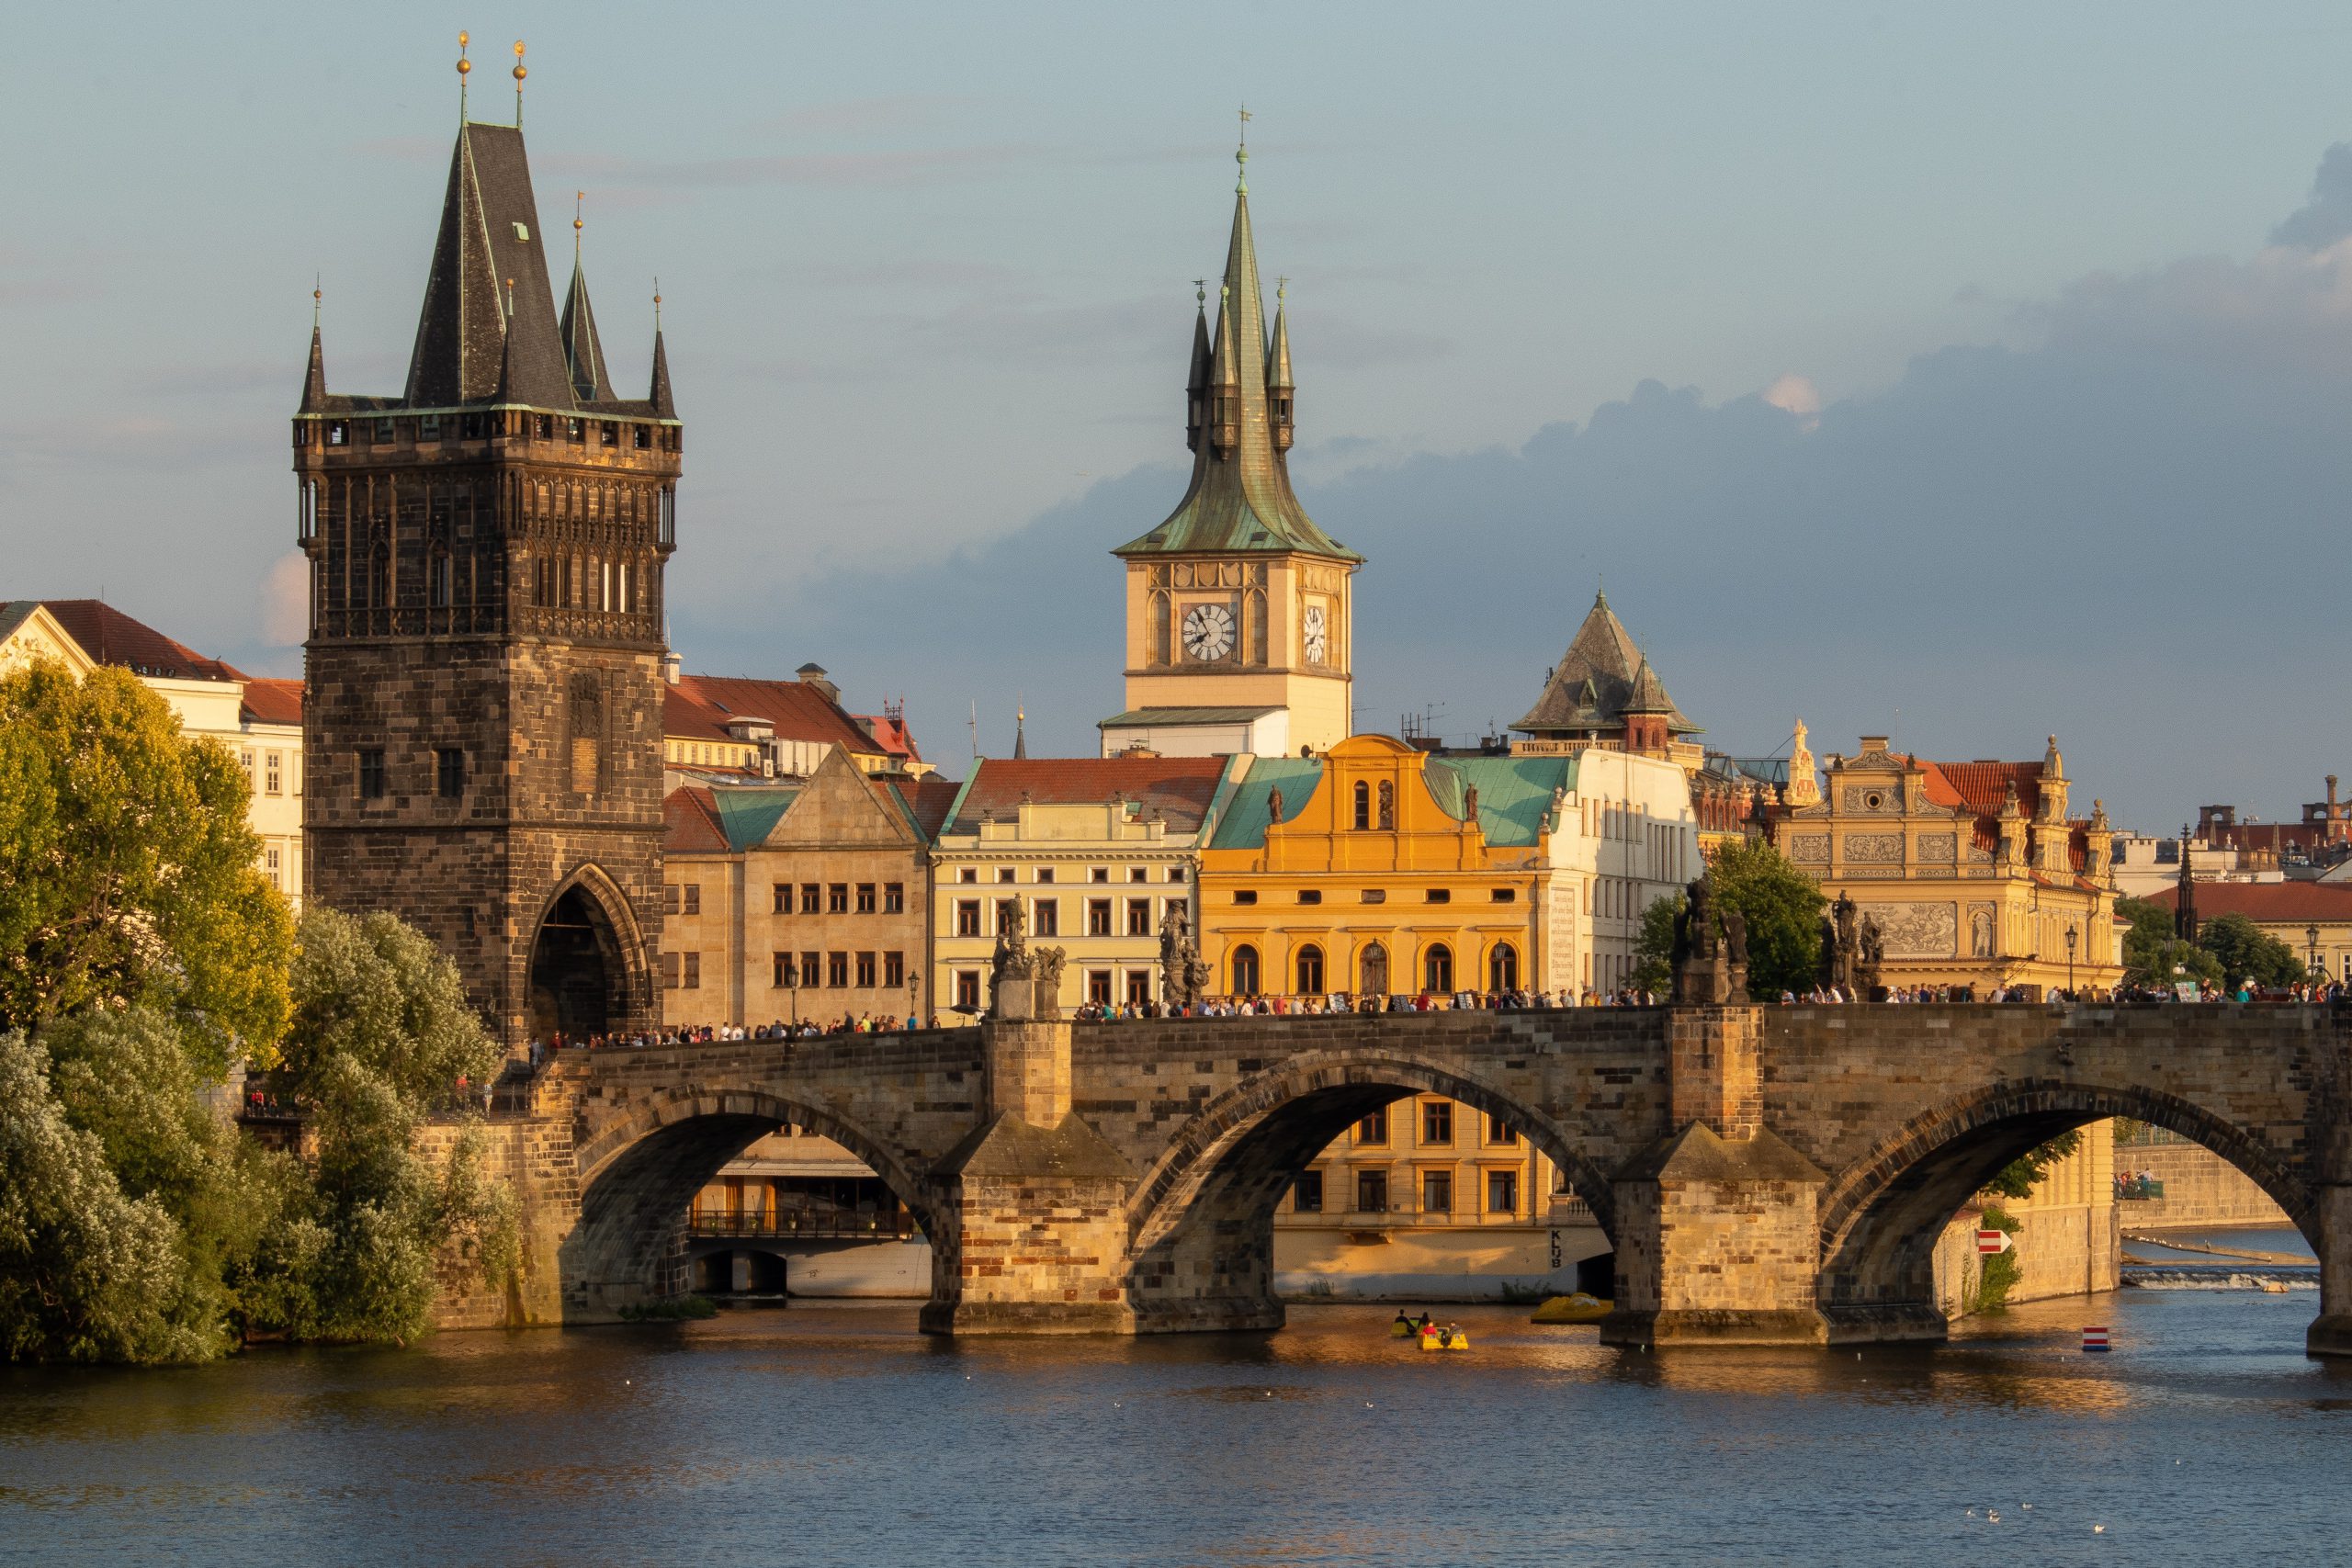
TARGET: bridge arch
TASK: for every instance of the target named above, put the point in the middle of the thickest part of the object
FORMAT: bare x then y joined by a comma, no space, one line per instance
639,1176
1200,1221
1881,1216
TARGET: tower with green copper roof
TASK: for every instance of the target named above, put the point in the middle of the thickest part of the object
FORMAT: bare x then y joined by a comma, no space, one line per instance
1239,617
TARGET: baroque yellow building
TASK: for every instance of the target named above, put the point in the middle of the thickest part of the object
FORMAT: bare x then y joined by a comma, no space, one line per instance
1976,874
1239,628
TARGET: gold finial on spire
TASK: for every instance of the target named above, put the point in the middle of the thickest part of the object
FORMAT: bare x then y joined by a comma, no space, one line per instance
317,295
1200,292
1281,289
578,198
510,298
465,67
519,75
1241,155
657,307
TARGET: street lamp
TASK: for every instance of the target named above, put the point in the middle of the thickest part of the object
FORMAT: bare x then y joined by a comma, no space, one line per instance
2072,935
2311,937
914,1011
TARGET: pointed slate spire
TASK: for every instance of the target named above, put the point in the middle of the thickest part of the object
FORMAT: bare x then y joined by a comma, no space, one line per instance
1196,380
1649,693
1019,734
489,234
583,356
664,406
1279,390
314,383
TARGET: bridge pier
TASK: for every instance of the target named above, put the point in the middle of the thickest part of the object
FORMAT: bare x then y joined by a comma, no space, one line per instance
1032,1205
2331,1332
1718,1233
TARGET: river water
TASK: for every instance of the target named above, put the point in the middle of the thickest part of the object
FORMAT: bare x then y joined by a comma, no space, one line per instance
838,1434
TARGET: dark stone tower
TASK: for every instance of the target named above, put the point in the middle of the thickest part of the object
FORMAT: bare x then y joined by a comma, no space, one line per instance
483,721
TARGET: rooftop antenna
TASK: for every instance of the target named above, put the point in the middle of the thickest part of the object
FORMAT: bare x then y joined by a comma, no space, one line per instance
465,68
519,75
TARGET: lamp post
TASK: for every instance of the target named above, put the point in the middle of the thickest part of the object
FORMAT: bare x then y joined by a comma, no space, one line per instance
2072,936
2311,937
914,1010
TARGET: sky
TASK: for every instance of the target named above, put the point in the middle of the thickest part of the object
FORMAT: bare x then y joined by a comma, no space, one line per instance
1970,375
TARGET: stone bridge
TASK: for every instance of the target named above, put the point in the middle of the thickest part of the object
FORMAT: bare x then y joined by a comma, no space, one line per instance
1767,1175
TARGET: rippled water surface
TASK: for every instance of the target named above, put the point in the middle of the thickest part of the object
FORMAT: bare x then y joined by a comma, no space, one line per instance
841,1436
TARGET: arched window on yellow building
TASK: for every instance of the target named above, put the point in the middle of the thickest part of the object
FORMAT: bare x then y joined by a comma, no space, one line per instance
1437,969
1310,971
1387,807
1245,971
1502,967
1363,806
1375,970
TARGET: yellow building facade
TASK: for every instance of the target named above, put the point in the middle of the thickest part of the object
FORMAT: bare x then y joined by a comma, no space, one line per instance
1976,874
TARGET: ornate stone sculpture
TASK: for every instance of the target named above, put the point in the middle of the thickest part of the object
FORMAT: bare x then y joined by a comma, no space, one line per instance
1705,975
1183,976
1022,984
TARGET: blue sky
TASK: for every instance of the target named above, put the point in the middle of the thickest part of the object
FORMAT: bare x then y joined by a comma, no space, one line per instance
2059,427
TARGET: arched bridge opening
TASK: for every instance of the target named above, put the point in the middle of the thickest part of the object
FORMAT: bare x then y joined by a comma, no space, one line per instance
1882,1219
635,1241
1202,1219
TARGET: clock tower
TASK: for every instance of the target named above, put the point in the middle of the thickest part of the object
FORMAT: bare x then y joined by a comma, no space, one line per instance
1239,630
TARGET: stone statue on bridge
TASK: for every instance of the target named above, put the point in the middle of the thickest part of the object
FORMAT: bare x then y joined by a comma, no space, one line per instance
1703,961
1183,976
1842,947
1022,984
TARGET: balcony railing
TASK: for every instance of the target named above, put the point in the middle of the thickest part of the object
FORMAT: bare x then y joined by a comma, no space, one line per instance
817,1224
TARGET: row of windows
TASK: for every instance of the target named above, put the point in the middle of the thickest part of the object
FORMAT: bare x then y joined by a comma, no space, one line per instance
1436,1123
1372,1195
1310,977
838,971
448,773
971,873
1046,917
272,779
1247,896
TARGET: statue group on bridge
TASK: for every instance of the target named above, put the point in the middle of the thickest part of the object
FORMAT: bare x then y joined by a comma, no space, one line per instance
1710,949
1022,984
1853,949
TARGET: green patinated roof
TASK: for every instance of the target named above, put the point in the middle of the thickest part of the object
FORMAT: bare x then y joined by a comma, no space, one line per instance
1513,792
1240,498
1243,826
749,816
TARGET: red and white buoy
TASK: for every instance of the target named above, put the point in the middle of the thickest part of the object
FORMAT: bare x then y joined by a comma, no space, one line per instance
2094,1339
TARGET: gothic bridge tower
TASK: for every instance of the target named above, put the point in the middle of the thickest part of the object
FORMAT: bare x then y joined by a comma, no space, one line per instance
482,726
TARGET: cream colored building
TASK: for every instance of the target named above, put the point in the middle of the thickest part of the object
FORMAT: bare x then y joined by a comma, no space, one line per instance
1095,851
259,721
1976,872
800,901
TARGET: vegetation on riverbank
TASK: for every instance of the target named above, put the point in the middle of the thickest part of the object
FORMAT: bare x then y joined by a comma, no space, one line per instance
145,953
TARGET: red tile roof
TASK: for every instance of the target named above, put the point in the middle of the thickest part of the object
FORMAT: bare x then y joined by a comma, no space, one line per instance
2268,902
690,824
697,708
1981,787
110,636
1179,787
272,701
890,732
928,798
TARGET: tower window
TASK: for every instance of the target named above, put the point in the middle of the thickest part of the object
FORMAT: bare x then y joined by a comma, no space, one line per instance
372,774
449,773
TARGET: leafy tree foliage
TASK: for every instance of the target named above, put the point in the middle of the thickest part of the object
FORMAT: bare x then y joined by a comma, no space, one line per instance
373,995
2246,951
2016,1178
2151,954
1653,947
127,871
88,1273
1783,906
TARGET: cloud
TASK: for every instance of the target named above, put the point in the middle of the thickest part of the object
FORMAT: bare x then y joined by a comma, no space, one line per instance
1796,395
2097,530
2327,216
286,601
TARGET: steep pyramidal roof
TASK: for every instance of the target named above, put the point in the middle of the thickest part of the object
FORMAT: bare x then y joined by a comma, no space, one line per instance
489,240
1601,677
1240,496
314,380
583,356
663,404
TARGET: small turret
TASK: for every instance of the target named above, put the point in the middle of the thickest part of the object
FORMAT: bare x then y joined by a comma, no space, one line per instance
314,384
1196,383
1279,390
1225,382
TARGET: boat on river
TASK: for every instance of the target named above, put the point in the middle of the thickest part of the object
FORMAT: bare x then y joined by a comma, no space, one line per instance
1449,1339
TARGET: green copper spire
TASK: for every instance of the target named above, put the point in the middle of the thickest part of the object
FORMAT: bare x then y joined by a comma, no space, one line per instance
1240,496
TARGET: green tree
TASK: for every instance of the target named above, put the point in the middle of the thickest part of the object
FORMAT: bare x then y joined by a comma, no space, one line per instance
88,1273
372,992
2152,955
2019,1177
1653,947
127,871
1782,907
2246,951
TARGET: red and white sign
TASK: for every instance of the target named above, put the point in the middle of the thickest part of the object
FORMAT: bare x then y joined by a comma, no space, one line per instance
1992,1241
2094,1339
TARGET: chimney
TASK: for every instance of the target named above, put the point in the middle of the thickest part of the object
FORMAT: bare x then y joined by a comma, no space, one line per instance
672,668
1873,743
814,675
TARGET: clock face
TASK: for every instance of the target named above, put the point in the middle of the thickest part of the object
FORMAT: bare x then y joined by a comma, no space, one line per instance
1315,622
1208,632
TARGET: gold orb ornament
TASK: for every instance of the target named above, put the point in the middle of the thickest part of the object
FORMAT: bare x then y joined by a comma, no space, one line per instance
464,65
519,72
